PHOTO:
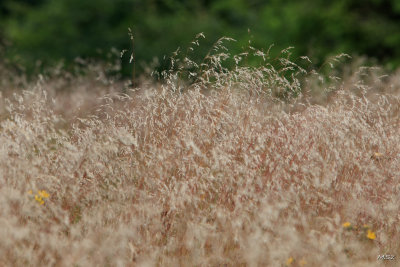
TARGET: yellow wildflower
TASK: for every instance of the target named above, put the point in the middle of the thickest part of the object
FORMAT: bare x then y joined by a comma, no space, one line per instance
289,261
346,225
302,262
30,192
39,199
371,235
43,194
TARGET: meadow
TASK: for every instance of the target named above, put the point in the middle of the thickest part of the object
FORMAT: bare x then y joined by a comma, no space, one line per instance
273,165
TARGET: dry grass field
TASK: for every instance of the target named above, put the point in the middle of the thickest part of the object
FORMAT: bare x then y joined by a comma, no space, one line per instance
253,166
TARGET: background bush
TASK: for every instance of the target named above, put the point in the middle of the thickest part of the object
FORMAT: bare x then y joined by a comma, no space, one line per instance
49,31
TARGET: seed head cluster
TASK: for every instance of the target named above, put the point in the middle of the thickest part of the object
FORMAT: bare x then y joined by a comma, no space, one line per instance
243,166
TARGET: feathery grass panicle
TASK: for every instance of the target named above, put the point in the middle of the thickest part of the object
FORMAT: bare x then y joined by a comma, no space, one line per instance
243,165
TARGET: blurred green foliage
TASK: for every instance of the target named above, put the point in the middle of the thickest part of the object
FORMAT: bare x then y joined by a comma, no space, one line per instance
47,31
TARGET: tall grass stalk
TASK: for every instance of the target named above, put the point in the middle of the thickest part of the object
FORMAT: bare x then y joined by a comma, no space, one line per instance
270,165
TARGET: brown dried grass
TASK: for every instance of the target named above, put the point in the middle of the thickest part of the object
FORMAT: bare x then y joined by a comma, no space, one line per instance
224,173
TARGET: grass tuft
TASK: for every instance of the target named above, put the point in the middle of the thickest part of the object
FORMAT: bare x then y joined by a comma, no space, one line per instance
272,165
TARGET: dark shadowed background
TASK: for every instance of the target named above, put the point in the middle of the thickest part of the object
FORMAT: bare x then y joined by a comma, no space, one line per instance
35,34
